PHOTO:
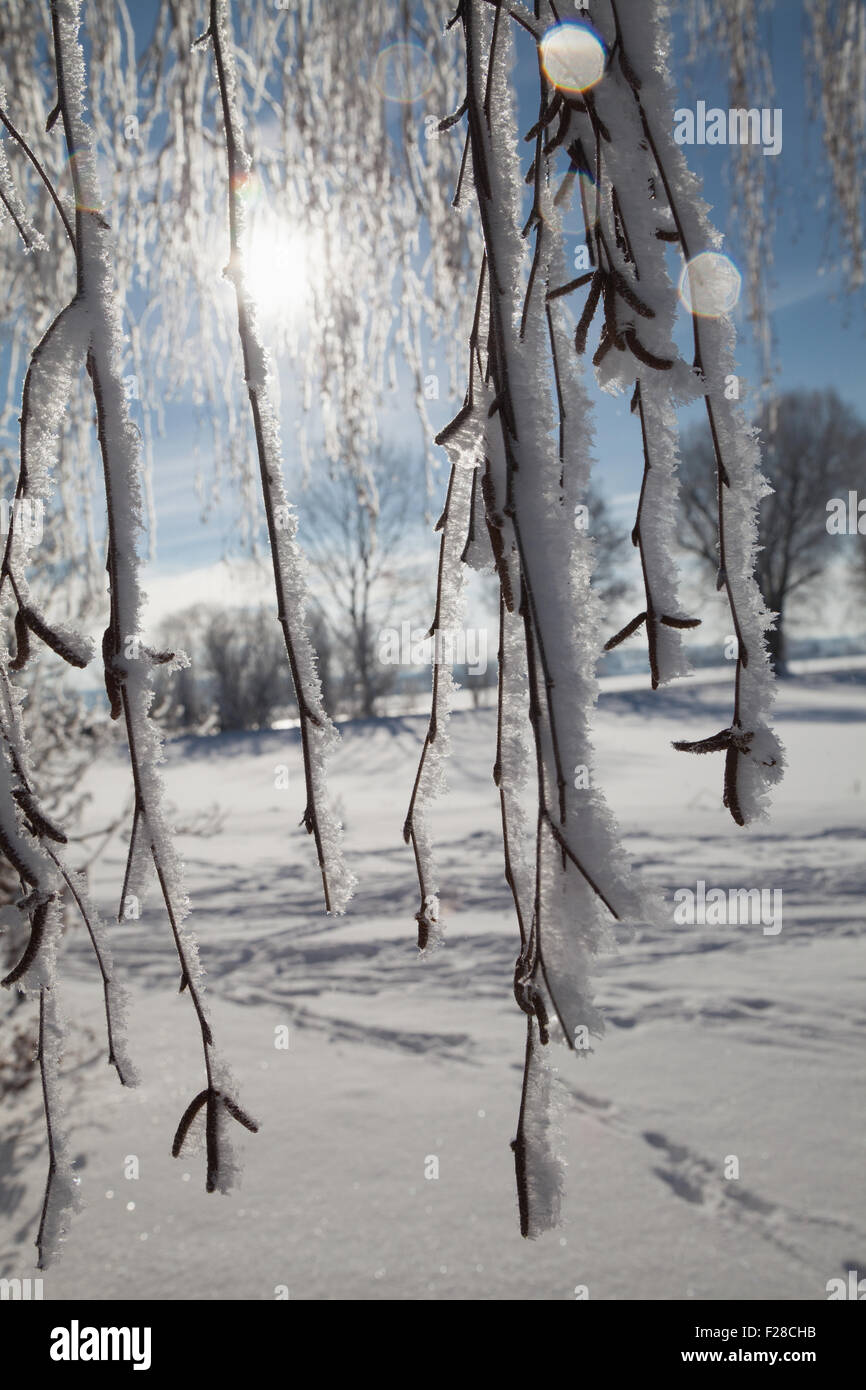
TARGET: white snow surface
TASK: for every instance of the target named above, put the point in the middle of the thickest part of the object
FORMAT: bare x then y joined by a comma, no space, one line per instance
719,1042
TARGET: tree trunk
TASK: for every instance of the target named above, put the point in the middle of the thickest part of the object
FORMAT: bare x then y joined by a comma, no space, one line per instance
776,644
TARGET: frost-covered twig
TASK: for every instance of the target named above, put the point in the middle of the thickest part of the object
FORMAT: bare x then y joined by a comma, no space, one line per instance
39,167
457,525
527,453
835,66
654,579
628,115
318,735
523,429
61,1194
735,27
126,661
754,759
24,830
453,525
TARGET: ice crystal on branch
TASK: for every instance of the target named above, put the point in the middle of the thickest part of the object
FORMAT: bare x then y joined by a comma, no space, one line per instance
604,122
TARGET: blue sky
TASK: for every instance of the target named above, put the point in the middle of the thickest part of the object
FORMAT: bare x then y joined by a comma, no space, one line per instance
818,343
816,347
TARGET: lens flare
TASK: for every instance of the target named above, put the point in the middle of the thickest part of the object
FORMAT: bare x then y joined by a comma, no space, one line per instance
573,56
404,72
248,186
710,285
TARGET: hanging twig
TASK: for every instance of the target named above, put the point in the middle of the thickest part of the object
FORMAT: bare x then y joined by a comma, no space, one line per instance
317,732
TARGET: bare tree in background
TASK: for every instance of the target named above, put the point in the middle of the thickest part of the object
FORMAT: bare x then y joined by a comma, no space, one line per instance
242,655
180,702
814,450
359,544
611,551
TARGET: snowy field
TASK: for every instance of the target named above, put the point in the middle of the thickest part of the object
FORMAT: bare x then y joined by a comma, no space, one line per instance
721,1041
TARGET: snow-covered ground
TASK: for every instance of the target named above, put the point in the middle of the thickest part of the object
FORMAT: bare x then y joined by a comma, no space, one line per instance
722,1042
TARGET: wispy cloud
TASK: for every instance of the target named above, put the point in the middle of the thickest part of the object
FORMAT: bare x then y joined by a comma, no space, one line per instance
815,287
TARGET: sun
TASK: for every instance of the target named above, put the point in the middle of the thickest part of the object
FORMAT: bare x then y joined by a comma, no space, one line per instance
277,267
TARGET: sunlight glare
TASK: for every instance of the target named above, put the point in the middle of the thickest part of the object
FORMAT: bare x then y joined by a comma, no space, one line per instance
277,269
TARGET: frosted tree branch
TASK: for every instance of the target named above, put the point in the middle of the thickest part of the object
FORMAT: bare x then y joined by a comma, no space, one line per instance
318,735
